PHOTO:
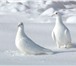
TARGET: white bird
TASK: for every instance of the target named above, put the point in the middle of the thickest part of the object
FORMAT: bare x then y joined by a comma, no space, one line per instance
61,34
25,45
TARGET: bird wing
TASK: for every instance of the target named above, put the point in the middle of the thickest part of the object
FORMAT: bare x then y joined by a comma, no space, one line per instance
67,35
53,36
31,46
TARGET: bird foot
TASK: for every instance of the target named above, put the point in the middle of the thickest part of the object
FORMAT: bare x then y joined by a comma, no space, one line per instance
65,46
69,46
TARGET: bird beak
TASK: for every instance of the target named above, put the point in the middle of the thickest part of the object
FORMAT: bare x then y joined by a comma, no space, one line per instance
18,25
52,14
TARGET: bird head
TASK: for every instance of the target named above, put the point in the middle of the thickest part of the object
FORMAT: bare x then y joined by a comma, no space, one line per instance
20,24
56,13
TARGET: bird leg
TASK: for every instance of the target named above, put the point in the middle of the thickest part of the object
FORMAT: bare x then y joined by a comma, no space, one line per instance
65,45
69,45
58,45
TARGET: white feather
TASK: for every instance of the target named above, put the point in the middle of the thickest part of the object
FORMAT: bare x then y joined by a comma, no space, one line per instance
26,45
61,33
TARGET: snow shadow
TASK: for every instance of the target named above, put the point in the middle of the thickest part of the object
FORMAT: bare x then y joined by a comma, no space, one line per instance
73,45
57,52
66,50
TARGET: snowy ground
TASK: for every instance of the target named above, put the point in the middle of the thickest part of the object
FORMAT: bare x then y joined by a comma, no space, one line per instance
41,34
38,26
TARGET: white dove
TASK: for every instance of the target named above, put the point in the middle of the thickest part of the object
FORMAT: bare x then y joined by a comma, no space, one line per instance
25,45
61,34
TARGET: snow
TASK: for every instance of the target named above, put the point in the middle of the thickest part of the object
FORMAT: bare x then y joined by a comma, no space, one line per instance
38,26
41,34
71,19
48,12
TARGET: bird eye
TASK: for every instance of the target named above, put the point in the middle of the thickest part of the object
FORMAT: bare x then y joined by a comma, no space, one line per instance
56,13
21,23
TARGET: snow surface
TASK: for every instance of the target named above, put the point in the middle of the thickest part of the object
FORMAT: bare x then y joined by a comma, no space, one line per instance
38,26
41,34
71,19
